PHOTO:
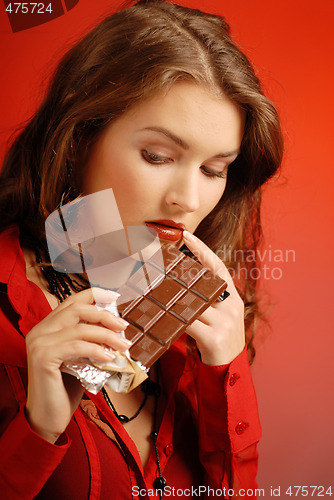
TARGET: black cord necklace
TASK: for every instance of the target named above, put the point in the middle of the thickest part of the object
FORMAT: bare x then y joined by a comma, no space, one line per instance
123,418
150,388
160,483
60,284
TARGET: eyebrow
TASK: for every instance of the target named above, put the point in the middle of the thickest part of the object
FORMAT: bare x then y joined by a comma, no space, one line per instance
182,143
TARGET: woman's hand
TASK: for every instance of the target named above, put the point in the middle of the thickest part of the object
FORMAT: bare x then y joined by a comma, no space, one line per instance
219,332
76,328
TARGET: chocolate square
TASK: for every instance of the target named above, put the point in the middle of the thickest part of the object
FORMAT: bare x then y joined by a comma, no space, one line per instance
167,292
188,306
145,314
207,285
188,271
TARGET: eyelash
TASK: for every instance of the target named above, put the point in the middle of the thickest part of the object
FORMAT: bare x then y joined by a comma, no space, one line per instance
212,175
154,159
158,160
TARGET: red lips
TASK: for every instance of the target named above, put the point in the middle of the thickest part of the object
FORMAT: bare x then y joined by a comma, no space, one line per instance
166,229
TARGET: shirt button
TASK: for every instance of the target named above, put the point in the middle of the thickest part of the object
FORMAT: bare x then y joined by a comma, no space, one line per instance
233,378
168,449
241,427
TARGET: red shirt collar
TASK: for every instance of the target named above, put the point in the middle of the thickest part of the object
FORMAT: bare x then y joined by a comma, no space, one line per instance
27,300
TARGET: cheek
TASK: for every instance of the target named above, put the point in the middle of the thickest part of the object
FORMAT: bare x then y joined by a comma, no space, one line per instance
132,188
212,195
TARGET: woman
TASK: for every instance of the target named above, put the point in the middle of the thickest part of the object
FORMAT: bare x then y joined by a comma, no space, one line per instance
158,104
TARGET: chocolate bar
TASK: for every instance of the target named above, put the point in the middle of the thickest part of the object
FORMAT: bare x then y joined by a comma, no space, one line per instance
162,298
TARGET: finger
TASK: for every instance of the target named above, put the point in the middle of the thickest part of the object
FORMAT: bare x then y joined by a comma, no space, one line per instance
198,331
76,313
207,258
81,349
48,347
208,316
95,334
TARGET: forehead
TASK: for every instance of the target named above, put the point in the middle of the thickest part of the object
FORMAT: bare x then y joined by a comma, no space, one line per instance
189,111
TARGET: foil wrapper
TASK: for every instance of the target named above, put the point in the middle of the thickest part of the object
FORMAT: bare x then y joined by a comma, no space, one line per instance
122,374
92,378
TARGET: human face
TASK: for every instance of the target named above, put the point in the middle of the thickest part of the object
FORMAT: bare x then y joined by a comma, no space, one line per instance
166,159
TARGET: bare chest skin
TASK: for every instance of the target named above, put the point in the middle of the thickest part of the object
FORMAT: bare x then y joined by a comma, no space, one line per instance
35,275
141,427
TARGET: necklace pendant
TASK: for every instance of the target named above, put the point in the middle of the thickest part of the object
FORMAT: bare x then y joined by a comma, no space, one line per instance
123,419
160,483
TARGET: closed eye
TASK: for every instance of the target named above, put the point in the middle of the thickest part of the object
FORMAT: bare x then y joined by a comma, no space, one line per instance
154,159
213,173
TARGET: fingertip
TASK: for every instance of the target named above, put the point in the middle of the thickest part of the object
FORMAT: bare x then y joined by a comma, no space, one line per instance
104,296
188,236
127,342
109,354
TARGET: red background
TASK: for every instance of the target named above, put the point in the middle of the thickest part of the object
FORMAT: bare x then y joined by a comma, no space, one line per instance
291,45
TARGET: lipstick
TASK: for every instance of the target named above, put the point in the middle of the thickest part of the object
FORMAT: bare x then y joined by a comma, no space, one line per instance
166,229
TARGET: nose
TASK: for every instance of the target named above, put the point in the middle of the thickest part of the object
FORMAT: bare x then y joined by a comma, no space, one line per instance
183,191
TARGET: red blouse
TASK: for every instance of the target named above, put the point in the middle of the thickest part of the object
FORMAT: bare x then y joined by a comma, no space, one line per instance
207,436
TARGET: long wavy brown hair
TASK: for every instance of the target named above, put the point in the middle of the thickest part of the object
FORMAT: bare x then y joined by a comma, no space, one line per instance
129,57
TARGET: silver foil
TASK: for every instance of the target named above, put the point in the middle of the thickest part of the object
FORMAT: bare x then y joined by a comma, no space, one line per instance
92,378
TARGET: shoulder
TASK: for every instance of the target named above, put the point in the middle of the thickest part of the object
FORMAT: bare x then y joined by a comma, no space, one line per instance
10,252
13,297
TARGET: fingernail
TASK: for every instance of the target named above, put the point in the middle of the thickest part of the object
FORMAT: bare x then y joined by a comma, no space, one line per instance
127,342
188,236
110,355
123,322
